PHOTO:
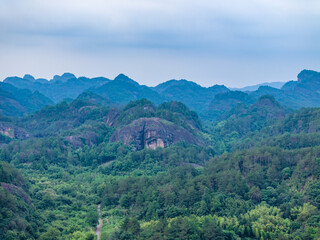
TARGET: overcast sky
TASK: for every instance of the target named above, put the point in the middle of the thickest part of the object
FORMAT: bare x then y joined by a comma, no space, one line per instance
230,42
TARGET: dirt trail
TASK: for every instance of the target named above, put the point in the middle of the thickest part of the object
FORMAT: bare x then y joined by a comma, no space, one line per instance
99,226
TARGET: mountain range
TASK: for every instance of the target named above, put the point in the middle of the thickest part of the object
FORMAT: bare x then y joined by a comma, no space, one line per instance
19,96
256,87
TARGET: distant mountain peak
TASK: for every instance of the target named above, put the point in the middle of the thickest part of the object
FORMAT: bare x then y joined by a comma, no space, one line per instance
64,77
267,101
183,81
68,75
277,85
267,87
308,75
176,83
123,78
29,77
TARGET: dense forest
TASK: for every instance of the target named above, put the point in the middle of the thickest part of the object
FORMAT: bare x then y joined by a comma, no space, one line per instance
247,169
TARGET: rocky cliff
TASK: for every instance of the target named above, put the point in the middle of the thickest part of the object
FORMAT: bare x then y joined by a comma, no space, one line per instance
153,133
13,131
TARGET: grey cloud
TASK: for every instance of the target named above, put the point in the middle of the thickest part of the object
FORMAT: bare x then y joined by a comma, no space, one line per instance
181,33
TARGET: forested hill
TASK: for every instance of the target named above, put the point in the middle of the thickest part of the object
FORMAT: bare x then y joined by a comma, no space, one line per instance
17,102
248,168
118,92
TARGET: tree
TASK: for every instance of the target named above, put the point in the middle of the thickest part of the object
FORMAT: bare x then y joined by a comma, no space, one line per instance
92,217
51,234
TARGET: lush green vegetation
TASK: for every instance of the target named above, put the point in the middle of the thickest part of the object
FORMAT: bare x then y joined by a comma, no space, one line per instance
257,176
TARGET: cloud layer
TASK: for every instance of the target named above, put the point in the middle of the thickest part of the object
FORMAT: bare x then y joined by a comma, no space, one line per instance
232,42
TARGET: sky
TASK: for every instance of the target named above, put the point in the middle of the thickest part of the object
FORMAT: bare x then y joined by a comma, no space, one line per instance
230,42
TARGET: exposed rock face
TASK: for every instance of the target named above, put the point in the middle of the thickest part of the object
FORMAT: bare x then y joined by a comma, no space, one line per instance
111,118
152,133
13,132
87,108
